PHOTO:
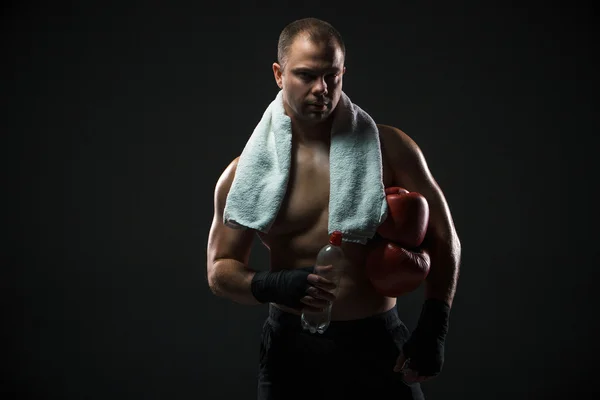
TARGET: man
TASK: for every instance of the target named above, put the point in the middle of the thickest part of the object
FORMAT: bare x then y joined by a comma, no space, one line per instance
368,350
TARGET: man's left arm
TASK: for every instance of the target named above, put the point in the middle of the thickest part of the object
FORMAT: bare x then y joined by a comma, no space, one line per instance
425,349
441,240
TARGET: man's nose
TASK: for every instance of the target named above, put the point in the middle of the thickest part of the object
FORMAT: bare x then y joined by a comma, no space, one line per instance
320,86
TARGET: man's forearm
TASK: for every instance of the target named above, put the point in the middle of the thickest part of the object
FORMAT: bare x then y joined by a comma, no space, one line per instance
231,279
442,279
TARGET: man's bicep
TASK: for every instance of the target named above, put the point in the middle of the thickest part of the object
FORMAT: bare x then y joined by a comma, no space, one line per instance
228,243
441,225
414,175
225,242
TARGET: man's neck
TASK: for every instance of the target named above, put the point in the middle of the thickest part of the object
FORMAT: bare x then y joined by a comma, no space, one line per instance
315,133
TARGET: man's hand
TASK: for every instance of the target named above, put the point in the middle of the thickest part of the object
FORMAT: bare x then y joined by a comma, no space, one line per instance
409,376
422,356
320,293
299,289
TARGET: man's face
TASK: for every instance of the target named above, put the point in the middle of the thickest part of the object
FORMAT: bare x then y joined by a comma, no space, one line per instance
311,79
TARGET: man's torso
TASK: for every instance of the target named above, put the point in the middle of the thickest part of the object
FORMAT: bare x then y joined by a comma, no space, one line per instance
301,230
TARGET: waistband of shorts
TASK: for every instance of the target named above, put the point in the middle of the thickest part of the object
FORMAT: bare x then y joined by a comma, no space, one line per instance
387,319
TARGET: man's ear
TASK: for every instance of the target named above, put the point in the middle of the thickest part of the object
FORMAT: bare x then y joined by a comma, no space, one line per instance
277,72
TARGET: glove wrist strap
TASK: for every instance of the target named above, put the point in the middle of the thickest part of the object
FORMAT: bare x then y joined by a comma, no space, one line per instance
260,287
434,318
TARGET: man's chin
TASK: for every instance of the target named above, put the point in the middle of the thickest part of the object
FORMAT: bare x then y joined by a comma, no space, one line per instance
316,116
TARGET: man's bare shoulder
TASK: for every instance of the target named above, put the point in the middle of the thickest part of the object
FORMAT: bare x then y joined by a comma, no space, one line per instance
395,140
397,145
225,180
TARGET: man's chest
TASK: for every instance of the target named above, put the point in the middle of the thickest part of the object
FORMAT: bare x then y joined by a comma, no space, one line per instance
306,201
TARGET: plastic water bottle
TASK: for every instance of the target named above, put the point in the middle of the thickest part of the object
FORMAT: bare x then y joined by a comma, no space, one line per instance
330,255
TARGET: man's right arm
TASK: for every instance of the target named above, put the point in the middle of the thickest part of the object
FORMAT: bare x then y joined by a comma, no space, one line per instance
229,275
228,249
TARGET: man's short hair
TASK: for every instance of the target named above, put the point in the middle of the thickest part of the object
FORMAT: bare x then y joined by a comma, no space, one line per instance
314,29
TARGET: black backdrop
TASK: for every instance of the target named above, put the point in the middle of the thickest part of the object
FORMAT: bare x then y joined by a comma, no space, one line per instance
118,118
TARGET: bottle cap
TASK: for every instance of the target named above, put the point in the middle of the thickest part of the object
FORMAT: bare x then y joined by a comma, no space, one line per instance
336,238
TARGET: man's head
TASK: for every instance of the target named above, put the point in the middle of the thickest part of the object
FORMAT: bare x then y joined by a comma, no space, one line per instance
310,67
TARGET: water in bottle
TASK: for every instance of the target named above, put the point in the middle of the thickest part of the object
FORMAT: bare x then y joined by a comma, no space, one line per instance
329,265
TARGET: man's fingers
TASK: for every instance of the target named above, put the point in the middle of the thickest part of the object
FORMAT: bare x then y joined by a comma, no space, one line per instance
321,282
323,269
320,294
399,363
410,376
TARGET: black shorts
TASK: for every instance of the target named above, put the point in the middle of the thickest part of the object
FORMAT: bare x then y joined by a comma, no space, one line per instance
352,358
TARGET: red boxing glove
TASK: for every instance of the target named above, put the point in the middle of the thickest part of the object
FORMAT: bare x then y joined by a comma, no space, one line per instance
393,268
407,219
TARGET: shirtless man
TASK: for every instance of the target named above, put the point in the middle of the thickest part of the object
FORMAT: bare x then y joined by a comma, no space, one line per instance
365,347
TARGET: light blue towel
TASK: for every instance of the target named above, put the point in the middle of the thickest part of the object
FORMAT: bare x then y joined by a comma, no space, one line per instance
357,204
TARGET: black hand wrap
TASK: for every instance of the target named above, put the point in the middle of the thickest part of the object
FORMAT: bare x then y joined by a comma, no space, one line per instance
284,287
425,348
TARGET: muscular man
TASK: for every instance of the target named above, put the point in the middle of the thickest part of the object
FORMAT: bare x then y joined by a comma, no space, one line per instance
366,346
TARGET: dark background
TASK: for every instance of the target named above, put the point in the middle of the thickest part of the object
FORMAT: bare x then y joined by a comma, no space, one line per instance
118,118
